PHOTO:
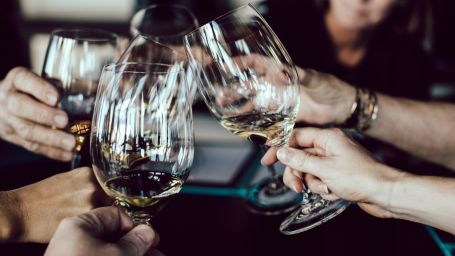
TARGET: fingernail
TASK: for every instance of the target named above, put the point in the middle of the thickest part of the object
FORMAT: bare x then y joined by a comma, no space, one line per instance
324,188
294,187
51,99
145,233
69,142
61,120
262,161
282,154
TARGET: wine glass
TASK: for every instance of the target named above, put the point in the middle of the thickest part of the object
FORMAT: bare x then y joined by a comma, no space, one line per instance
144,49
158,32
142,136
73,64
164,23
250,84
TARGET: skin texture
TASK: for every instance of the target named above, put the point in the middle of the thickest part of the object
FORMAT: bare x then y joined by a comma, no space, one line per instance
407,124
336,167
103,231
28,112
32,213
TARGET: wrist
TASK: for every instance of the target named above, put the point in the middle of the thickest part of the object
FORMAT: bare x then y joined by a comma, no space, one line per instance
363,111
11,228
391,189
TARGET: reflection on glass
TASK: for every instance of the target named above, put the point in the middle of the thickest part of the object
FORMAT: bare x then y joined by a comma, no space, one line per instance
250,84
73,64
142,136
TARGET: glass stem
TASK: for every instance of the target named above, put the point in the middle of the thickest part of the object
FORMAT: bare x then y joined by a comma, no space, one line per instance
276,184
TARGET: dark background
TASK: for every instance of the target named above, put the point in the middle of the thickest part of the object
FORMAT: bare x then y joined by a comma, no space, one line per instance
203,225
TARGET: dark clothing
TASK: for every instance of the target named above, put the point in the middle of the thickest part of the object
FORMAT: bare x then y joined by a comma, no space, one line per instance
395,65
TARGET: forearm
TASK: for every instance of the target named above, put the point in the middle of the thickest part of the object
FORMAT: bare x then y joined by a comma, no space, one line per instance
10,220
421,128
424,199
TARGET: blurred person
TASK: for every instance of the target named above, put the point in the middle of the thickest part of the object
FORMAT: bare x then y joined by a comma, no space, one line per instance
382,45
376,44
103,231
32,213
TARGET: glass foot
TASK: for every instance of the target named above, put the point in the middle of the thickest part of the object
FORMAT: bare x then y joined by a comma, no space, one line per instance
271,197
313,211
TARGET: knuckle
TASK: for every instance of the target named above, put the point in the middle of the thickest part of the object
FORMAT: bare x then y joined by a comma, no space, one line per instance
16,71
33,147
25,130
44,115
6,131
20,74
12,103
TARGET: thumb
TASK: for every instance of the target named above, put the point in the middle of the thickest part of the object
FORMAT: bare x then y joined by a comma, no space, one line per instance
300,160
138,240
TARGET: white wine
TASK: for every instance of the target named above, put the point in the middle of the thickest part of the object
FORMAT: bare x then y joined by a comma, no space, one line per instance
274,128
143,189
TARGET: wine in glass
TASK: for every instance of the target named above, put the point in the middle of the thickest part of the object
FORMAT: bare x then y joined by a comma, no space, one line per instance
250,84
73,64
142,136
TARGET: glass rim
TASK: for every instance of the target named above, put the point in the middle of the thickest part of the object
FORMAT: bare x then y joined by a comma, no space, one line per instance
115,66
148,40
193,18
154,41
77,34
229,13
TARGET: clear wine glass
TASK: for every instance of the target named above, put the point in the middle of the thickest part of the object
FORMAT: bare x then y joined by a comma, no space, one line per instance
158,32
142,136
164,23
73,64
250,84
143,49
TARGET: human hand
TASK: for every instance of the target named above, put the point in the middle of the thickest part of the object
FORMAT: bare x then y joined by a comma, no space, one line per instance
27,113
324,99
103,231
337,167
253,83
41,206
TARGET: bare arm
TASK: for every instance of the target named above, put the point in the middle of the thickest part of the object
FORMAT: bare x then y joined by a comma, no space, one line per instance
425,129
424,199
422,128
340,168
32,213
